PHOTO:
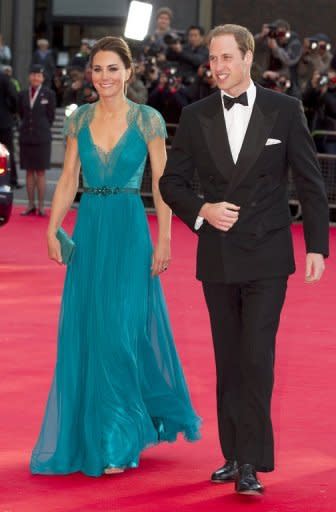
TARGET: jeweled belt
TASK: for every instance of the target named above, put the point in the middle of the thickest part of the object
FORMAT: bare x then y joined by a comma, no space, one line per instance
110,191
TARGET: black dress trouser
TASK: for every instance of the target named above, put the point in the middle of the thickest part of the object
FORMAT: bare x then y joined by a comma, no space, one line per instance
244,320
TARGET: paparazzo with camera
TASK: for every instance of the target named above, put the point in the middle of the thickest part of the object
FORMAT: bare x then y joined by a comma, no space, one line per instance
187,55
279,50
136,88
203,85
78,88
319,100
316,56
169,95
154,45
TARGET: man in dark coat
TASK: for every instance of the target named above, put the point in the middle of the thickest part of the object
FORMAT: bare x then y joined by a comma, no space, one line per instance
8,107
37,110
44,57
242,140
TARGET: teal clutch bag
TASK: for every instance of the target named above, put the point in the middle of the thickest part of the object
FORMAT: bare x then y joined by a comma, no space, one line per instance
67,246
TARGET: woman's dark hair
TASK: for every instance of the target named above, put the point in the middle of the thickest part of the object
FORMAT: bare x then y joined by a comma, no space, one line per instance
113,44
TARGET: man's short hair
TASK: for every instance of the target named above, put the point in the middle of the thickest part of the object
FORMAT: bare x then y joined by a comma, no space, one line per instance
196,27
280,23
164,10
242,35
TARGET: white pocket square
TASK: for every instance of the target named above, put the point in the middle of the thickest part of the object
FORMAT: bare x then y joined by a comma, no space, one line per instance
270,142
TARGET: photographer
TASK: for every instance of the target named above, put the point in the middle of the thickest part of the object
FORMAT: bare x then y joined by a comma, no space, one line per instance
319,98
154,45
203,86
281,50
44,57
78,88
81,59
276,81
189,56
151,74
136,89
169,96
316,56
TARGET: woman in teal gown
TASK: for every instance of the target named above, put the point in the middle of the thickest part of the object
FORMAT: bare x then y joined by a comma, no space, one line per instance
118,385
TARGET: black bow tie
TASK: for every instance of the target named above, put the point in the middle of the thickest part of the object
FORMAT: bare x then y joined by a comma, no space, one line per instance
229,102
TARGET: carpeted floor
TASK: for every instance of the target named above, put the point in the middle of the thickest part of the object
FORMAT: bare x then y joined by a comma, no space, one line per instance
171,477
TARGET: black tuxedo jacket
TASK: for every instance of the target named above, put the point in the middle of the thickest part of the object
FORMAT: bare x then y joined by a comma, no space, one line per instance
36,122
8,102
259,245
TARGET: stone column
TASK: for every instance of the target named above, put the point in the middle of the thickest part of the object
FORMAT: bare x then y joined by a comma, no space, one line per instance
205,14
22,40
6,16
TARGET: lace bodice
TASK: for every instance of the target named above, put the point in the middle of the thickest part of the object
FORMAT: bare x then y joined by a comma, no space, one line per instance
123,166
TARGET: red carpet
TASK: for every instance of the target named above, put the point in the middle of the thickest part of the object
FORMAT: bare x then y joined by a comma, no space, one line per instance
171,477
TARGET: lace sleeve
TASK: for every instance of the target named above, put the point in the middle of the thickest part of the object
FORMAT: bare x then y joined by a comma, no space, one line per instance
152,124
74,122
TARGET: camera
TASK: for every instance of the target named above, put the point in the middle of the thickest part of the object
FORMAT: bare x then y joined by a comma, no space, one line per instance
324,80
171,75
171,38
150,64
272,27
275,32
324,46
174,37
279,84
313,44
206,71
283,83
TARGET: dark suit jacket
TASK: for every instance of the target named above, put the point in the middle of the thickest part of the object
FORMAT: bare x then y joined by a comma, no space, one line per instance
259,245
8,102
36,122
48,63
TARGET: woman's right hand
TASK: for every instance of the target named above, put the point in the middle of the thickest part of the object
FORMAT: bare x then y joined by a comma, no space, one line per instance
54,248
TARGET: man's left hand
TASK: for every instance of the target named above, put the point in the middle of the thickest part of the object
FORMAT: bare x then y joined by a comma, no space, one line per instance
314,267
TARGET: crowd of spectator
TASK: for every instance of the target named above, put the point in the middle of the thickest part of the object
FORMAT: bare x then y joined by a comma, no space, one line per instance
171,70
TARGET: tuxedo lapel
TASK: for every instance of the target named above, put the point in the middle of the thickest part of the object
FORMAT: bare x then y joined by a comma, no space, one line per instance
262,120
214,130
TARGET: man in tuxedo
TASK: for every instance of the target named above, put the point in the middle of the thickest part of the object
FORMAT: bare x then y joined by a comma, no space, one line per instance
242,140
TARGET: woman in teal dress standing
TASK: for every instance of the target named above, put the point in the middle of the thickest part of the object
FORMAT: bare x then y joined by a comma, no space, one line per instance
118,385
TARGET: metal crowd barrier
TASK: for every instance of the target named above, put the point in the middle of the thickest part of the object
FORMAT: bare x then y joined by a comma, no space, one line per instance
327,163
328,169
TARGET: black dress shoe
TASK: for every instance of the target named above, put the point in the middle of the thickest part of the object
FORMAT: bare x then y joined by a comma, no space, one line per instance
41,213
226,473
29,211
247,482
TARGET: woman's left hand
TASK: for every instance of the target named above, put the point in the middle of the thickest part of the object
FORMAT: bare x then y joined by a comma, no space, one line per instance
161,258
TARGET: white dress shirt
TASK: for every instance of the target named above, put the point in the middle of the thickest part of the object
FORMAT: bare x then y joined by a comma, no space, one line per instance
236,120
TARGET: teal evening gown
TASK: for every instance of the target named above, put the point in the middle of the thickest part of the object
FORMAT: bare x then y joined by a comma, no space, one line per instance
118,385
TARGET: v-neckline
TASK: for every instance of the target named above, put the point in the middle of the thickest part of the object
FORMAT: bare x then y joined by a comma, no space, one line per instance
101,150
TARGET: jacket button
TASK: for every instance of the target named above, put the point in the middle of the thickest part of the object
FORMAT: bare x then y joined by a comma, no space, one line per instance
254,203
211,178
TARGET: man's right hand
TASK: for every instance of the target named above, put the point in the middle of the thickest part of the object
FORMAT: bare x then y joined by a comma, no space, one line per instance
264,30
220,215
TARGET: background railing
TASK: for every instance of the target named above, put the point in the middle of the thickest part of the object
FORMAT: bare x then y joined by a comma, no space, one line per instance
327,163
